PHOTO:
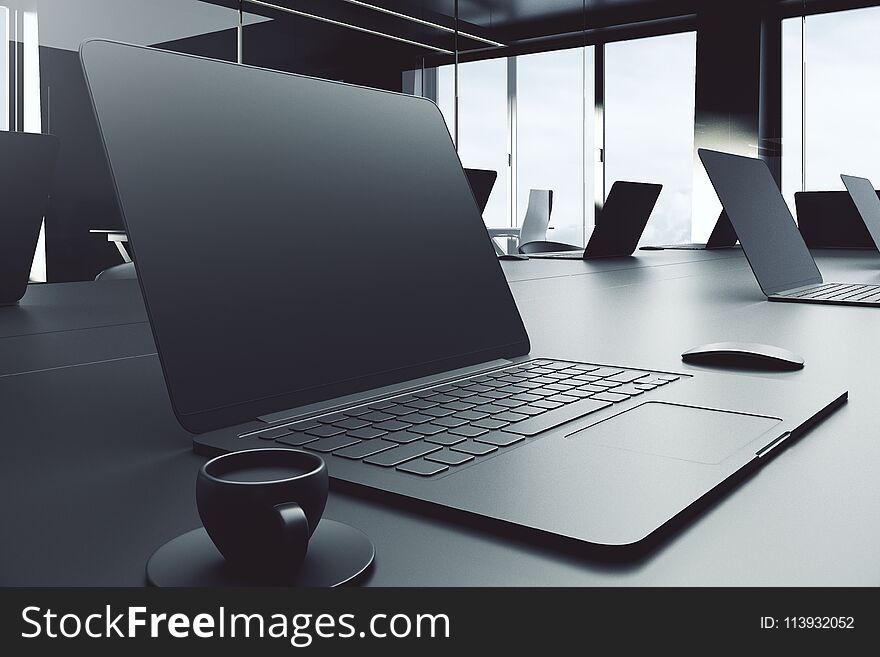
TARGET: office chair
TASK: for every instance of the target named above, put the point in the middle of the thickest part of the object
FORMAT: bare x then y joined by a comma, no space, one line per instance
533,234
118,272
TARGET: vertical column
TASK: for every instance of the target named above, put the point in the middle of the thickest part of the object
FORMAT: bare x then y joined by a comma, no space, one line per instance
727,97
4,68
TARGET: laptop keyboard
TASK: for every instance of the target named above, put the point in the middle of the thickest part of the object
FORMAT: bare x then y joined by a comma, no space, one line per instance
430,431
839,292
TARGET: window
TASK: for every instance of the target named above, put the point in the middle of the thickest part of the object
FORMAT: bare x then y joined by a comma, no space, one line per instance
833,109
483,133
554,134
649,125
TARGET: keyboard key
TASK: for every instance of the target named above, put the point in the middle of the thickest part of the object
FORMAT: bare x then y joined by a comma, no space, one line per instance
527,397
587,387
460,405
421,404
438,411
645,386
296,439
627,377
423,468
392,425
425,394
478,388
495,395
428,429
303,425
271,434
668,377
584,367
535,425
415,418
562,399
402,437
397,409
445,389
378,406
510,416
606,371
404,399
367,433
325,431
364,449
549,405
543,380
529,385
555,365
471,447
476,400
446,439
448,457
355,412
468,430
330,444
461,393
401,454
500,439
330,419
441,399
471,415
627,389
450,421
491,409
604,383
490,423
351,423
378,416
511,403
532,410
560,387
610,397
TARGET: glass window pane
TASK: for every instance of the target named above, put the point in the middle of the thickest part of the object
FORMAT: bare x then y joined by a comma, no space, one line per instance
483,133
649,125
842,72
550,115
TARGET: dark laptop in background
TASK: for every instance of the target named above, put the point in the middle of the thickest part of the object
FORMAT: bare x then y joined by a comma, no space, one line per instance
482,181
401,357
770,239
830,220
723,236
866,201
27,162
619,226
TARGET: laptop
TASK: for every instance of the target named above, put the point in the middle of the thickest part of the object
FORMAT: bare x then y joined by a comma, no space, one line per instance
770,239
481,181
830,220
27,162
620,225
401,358
864,197
722,237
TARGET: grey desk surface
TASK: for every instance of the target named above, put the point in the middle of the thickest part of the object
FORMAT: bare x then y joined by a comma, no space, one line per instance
96,473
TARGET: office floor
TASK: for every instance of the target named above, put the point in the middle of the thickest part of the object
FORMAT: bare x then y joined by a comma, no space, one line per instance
96,473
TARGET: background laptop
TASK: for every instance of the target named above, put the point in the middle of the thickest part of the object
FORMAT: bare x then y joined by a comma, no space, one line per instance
27,162
402,359
830,220
482,181
723,236
619,226
865,198
770,239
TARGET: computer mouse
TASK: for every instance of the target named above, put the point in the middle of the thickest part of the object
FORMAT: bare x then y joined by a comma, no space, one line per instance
744,355
513,256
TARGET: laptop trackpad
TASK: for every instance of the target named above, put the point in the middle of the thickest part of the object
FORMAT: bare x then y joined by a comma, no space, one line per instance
679,432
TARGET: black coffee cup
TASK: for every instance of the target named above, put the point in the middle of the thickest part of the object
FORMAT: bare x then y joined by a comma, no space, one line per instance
261,506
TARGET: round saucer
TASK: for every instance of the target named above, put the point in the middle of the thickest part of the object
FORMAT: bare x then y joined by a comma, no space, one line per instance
337,555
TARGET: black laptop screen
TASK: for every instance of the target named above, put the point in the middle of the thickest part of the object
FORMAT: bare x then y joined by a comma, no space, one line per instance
295,239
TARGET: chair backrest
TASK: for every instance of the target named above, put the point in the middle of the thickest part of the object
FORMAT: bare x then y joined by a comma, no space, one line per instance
534,225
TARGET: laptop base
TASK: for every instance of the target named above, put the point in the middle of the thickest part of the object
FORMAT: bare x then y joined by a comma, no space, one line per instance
850,294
